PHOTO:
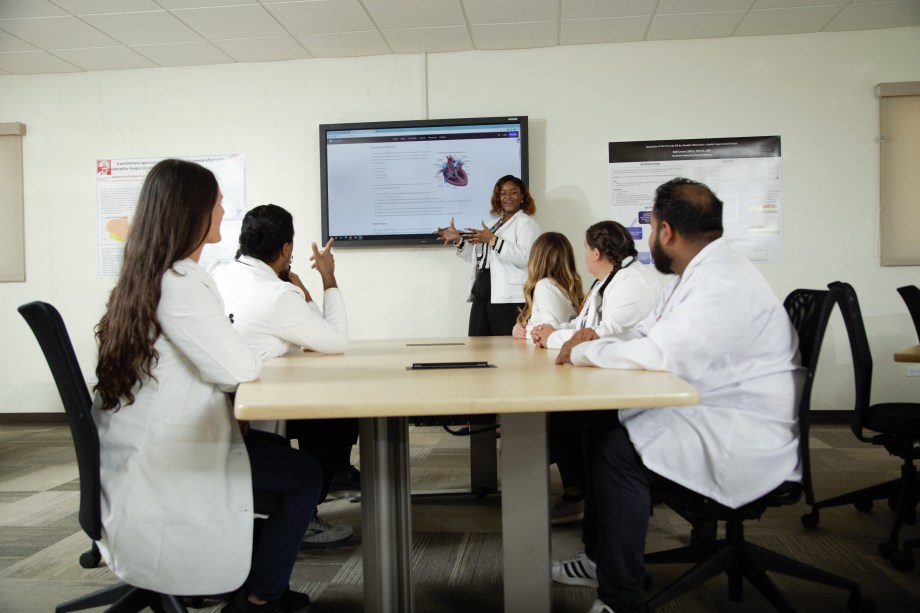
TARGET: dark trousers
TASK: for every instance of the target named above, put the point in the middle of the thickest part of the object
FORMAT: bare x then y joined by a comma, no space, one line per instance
487,319
329,441
565,431
618,495
296,476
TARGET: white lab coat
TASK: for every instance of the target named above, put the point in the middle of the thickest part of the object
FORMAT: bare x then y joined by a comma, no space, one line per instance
177,508
721,328
507,259
627,300
549,306
274,318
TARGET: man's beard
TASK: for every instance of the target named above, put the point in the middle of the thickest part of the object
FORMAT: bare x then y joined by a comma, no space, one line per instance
662,260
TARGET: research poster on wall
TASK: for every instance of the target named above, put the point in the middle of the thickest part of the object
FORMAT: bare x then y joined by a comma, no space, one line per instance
744,172
118,185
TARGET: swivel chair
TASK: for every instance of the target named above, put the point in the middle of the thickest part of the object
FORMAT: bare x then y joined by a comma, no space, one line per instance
893,425
911,296
739,559
49,329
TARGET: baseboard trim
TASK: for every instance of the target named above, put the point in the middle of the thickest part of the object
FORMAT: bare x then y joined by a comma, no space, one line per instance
25,419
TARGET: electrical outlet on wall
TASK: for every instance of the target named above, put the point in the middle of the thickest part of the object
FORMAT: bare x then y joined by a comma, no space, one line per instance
913,370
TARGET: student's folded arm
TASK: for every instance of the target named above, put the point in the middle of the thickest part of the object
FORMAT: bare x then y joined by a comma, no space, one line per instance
192,317
303,323
702,328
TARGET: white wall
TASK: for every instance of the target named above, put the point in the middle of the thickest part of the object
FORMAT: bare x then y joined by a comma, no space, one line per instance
816,91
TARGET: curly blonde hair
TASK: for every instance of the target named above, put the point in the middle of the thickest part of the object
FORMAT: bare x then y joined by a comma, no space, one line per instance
553,258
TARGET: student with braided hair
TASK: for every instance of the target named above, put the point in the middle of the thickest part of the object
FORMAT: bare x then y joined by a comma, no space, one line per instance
623,293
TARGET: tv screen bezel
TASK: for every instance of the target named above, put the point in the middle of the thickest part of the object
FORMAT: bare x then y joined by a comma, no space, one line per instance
407,239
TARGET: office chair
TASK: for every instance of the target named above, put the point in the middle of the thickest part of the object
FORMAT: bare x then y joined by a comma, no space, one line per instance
809,311
49,329
911,296
893,425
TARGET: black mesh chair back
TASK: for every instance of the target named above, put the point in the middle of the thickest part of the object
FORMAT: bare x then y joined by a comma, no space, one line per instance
809,310
862,356
911,296
51,333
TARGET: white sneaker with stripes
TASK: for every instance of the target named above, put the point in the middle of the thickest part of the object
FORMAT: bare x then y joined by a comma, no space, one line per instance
580,570
600,607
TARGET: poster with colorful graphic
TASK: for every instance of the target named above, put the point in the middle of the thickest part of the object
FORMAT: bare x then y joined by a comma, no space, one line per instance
118,184
744,172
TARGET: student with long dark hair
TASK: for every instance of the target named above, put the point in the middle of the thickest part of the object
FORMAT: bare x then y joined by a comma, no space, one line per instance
177,472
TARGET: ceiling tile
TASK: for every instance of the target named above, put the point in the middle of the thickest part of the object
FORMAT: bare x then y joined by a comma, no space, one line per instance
874,15
787,21
782,4
515,35
34,62
510,11
12,9
590,9
105,58
251,21
429,40
345,44
404,14
89,7
694,25
193,4
183,54
57,32
274,49
703,6
321,16
8,42
148,27
607,30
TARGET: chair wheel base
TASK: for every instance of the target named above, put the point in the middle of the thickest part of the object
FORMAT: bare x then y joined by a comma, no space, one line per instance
810,521
863,505
90,559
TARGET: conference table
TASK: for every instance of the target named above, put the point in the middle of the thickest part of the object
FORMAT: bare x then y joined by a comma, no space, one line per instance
909,354
375,381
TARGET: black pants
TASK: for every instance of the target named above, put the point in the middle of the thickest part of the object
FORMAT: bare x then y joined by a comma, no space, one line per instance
329,441
565,431
618,495
487,319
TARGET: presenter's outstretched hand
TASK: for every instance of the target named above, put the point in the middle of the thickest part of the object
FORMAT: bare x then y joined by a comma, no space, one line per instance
477,236
324,264
448,234
582,336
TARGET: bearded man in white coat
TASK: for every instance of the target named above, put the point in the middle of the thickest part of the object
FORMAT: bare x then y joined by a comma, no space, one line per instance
719,326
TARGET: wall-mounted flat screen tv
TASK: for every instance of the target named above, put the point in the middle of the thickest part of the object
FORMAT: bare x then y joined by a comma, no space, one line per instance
396,182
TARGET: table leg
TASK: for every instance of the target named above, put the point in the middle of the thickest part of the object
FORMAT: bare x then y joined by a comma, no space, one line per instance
386,515
525,513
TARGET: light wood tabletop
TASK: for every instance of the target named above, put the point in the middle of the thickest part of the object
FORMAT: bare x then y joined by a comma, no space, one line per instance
910,354
375,381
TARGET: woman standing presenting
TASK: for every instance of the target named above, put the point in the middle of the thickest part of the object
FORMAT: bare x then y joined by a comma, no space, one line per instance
499,254
177,473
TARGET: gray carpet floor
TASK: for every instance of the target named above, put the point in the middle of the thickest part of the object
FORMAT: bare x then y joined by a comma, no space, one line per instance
457,540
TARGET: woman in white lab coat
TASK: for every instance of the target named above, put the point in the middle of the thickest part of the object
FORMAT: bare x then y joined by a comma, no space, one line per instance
177,474
553,290
499,254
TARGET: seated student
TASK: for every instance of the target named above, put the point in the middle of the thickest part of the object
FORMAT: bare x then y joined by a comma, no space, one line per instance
553,290
177,474
720,327
623,293
275,313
